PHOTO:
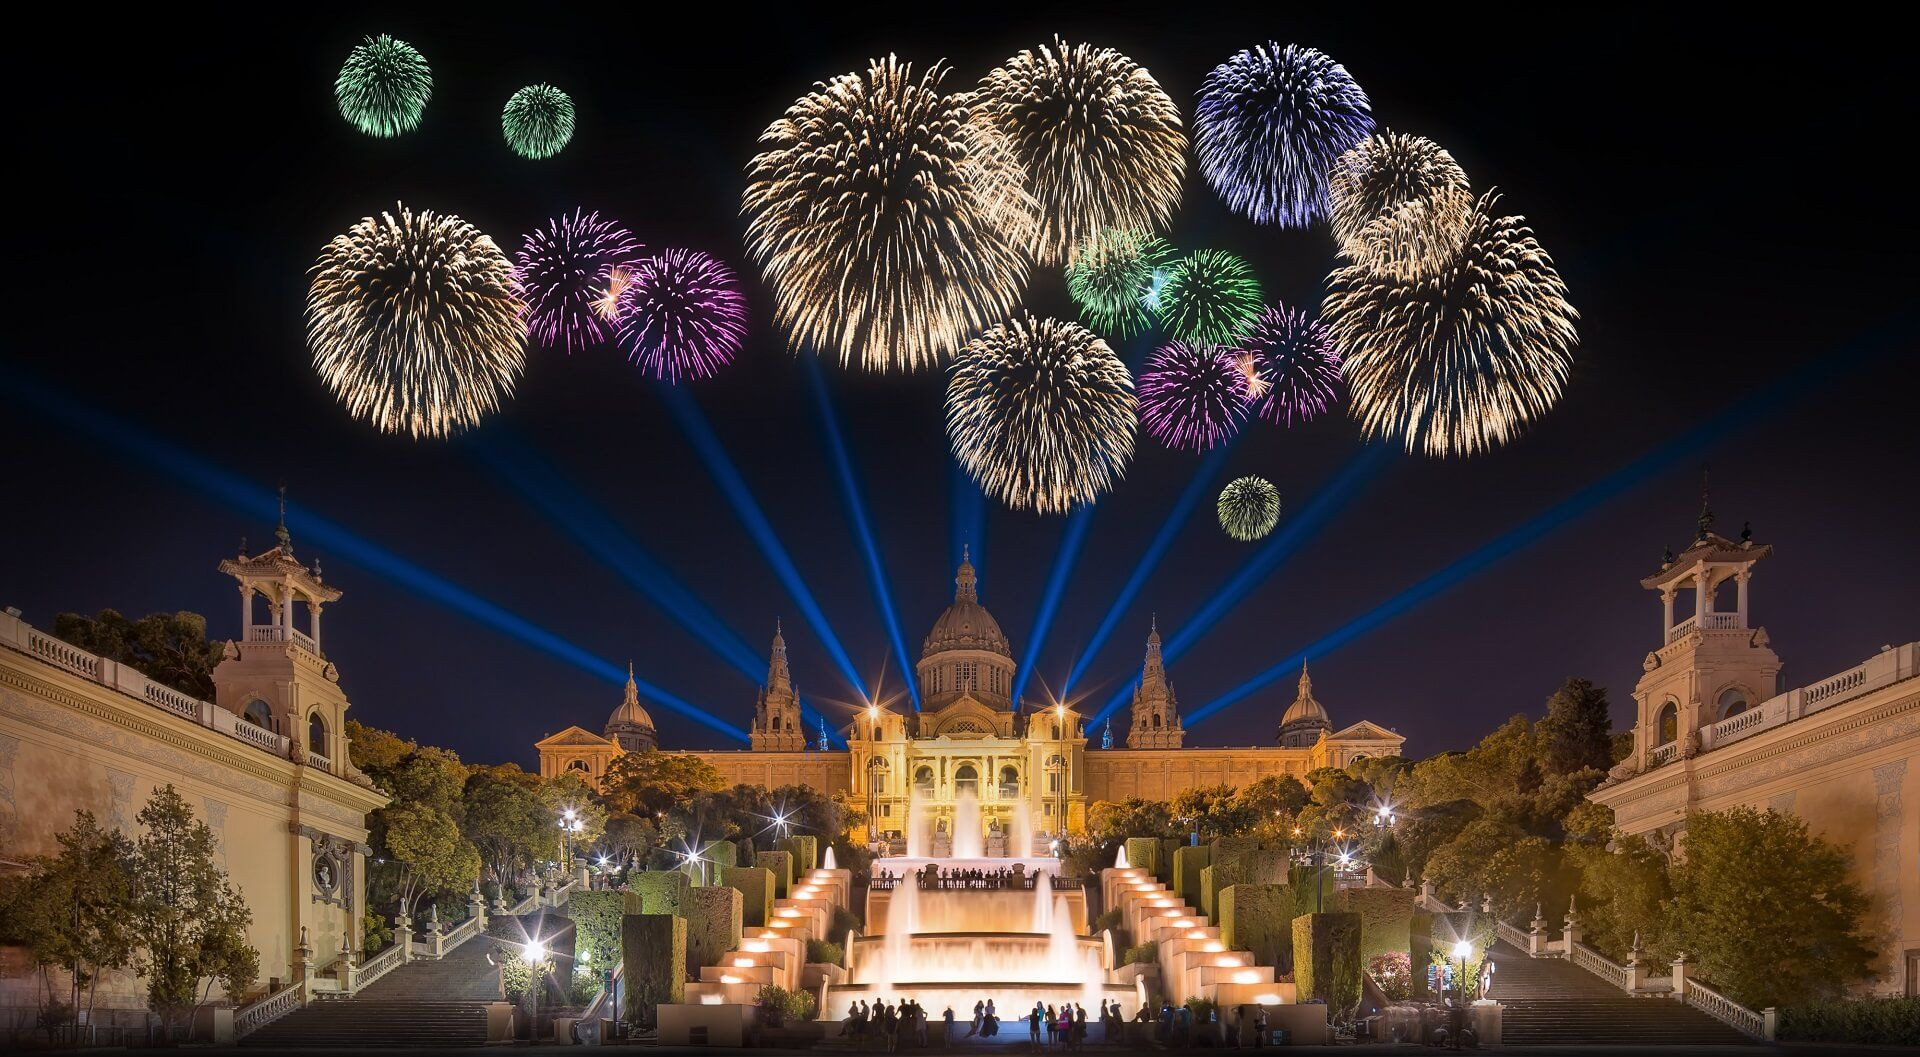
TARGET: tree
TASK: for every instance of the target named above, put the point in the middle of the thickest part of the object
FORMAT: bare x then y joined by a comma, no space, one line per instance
565,792
650,782
504,817
1109,820
1623,893
1273,801
1578,729
169,648
628,838
1769,913
1213,810
188,923
423,850
71,911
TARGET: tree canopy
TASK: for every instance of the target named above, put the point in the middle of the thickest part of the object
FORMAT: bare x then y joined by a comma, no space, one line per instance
169,648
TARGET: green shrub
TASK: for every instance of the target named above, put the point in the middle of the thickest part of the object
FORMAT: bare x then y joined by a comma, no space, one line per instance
653,948
779,1004
1326,961
1187,864
1141,954
659,892
755,885
1385,914
1258,918
780,864
825,952
1144,853
714,925
844,921
596,922
1891,1021
1393,973
1109,920
1202,1009
805,850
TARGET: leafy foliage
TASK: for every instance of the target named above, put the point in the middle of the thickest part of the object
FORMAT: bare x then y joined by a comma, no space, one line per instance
169,648
825,951
652,782
70,911
1889,1021
1141,954
1393,973
187,922
596,921
779,1004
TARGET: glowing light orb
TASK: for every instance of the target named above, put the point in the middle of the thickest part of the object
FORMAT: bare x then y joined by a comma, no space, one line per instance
1192,397
1249,508
413,323
1296,363
569,275
1208,297
1041,414
383,87
1461,360
1268,124
891,220
1100,140
537,121
682,315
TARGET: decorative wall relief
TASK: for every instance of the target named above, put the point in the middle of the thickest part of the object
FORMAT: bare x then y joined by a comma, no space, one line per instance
216,813
1889,802
119,800
9,806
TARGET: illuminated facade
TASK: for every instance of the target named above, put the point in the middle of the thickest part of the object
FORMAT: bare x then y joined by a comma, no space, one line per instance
1030,769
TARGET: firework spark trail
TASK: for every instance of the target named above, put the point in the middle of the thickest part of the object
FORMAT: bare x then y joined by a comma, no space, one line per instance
1296,362
891,220
1041,413
1460,361
537,121
1399,203
1192,397
565,274
383,87
1269,122
681,315
1100,140
1208,297
1249,507
413,323
1113,276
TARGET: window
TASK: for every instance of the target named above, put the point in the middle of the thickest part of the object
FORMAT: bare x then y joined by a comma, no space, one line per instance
966,779
1733,702
1156,721
1667,725
258,714
317,734
576,765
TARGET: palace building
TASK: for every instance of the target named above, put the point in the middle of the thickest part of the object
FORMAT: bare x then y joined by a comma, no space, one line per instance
1029,768
1715,729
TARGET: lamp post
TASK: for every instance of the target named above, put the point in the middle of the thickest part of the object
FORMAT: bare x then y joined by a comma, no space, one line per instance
1462,950
534,954
570,824
1316,857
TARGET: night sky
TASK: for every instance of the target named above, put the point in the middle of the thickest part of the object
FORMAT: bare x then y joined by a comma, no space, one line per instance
1723,200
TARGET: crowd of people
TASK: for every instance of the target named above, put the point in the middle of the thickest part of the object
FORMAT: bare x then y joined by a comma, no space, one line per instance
1062,1027
931,878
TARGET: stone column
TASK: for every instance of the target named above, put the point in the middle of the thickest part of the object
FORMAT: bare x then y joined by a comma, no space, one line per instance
477,906
1570,934
346,970
1537,933
1680,976
1666,623
403,935
246,610
437,936
313,616
1746,573
1636,972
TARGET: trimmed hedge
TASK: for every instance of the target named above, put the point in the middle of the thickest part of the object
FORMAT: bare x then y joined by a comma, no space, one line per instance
806,853
781,864
1239,866
714,925
1144,853
1141,954
1187,864
1419,954
1326,961
596,921
1891,1021
755,885
1385,914
653,948
659,892
1256,918
1164,866
722,853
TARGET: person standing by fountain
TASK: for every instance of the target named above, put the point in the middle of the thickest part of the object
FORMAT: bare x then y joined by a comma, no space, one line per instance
1053,1026
979,1014
1079,1026
946,1034
1033,1023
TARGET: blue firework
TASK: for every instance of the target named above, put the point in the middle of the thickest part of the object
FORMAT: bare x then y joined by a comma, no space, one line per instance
1269,123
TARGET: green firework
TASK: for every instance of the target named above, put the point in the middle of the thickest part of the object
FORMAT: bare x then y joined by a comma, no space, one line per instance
1249,507
1112,277
1208,298
383,87
537,121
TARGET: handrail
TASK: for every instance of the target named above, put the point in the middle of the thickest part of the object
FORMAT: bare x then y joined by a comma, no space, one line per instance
379,965
1599,965
1725,1010
256,1015
1513,935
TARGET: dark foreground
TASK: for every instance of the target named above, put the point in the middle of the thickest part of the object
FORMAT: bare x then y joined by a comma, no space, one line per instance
987,1049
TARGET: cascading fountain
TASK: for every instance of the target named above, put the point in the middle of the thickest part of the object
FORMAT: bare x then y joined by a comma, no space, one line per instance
1120,861
827,863
1020,833
969,835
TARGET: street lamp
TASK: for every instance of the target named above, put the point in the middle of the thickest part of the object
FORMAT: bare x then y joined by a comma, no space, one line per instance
1462,950
534,954
570,824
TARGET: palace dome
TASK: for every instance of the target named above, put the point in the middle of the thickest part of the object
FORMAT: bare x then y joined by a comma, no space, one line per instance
630,725
966,624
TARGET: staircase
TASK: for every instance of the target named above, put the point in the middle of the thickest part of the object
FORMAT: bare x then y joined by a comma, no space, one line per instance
421,1003
1548,1001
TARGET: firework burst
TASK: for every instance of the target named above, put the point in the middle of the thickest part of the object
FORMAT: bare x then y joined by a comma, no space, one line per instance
1268,124
1296,362
682,315
537,121
1399,203
1460,360
568,275
1207,297
1112,277
891,221
413,323
1249,507
383,87
1041,414
1192,396
1099,138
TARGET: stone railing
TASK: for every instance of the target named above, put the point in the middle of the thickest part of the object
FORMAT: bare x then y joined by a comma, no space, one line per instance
380,965
1513,935
1883,669
460,933
1725,1010
1679,631
324,763
1661,755
1721,621
256,1015
113,675
276,633
1599,965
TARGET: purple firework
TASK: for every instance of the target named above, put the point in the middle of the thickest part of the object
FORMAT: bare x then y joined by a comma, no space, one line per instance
1192,396
682,314
568,275
1269,123
1291,363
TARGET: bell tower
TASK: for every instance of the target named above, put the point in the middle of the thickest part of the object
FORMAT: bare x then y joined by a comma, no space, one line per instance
777,726
1156,711
1711,664
276,675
